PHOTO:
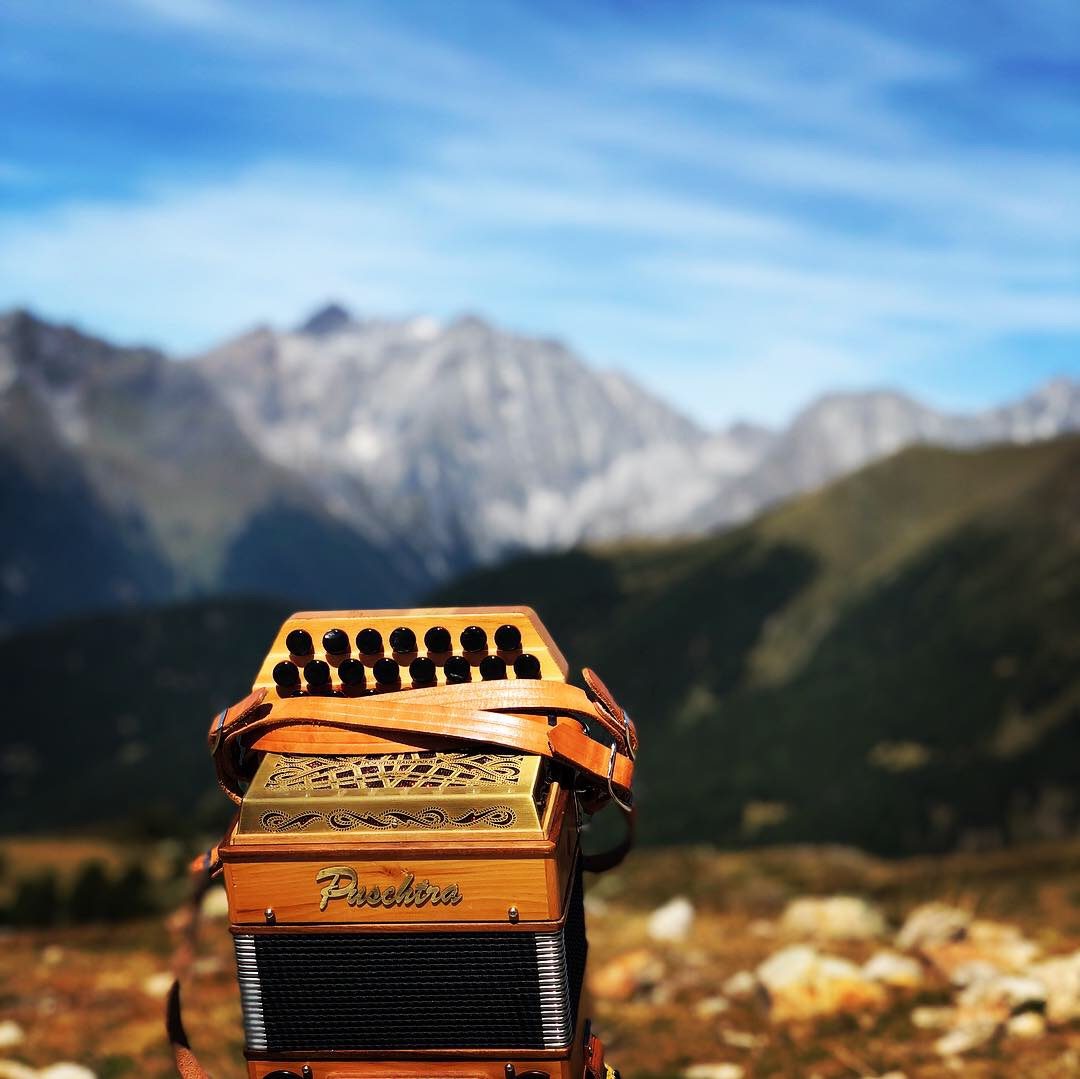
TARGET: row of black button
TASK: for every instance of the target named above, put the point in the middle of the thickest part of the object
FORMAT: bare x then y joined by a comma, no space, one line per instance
387,671
437,640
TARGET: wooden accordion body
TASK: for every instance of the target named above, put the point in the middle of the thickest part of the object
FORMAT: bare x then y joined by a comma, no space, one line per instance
409,907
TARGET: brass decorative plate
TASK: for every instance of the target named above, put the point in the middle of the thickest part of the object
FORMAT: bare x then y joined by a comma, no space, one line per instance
317,797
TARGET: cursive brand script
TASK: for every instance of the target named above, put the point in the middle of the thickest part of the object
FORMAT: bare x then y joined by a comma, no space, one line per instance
408,893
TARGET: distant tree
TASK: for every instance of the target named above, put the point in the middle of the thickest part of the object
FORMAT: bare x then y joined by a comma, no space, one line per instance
131,894
37,901
90,895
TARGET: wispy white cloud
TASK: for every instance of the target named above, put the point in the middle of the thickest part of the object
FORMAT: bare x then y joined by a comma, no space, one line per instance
744,204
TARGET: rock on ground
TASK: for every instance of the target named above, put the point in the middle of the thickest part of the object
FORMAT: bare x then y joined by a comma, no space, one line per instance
933,1017
802,983
932,923
215,904
976,951
838,917
894,970
709,1007
11,1034
628,975
714,1071
740,985
158,985
9,1069
673,921
1061,977
966,1038
1026,1025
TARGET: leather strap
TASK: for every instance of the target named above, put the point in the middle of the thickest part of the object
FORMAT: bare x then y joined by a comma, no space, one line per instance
185,926
538,717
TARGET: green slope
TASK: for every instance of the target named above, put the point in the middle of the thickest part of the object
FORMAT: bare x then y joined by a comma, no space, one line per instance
107,716
893,661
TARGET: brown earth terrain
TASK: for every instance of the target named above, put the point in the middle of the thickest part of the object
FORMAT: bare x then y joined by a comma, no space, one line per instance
785,962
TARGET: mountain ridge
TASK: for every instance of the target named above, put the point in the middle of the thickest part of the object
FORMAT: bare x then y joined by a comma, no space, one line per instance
366,456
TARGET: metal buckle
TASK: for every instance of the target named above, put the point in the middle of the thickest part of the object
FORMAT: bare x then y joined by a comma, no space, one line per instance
217,732
611,790
626,735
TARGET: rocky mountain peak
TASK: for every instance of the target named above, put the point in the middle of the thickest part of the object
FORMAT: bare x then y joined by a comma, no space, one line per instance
329,319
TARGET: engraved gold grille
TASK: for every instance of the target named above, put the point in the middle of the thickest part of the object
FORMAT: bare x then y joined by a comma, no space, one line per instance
308,797
395,771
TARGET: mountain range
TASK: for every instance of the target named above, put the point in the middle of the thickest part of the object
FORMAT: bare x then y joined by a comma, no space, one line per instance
362,461
892,661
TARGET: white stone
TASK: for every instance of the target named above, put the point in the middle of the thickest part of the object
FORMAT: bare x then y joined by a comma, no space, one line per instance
673,921
838,917
894,970
932,923
973,972
158,985
1026,1025
11,1034
740,985
215,904
965,1038
1004,993
1061,977
802,983
929,1017
708,1007
596,907
742,1039
10,1069
66,1071
714,1071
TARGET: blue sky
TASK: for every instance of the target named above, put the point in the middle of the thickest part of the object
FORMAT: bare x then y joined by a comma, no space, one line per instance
743,205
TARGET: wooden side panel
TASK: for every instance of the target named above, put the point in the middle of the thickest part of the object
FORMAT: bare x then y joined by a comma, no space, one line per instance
559,869
480,890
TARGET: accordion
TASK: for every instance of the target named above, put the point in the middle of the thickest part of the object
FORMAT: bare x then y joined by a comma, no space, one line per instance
404,872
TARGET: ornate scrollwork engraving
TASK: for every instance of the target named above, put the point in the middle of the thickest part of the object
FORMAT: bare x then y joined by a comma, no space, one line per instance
344,820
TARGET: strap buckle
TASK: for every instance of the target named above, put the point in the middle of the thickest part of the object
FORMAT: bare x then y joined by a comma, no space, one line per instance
611,789
218,726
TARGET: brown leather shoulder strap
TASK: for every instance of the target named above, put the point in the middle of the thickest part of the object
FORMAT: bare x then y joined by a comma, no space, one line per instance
538,717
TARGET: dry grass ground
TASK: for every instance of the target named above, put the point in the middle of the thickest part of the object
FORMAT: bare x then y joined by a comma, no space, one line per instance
93,995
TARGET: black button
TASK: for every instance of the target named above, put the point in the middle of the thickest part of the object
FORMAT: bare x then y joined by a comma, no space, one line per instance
336,642
422,671
351,672
369,642
283,1075
403,640
527,666
473,639
387,672
438,640
317,673
457,669
492,667
299,643
508,638
286,675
